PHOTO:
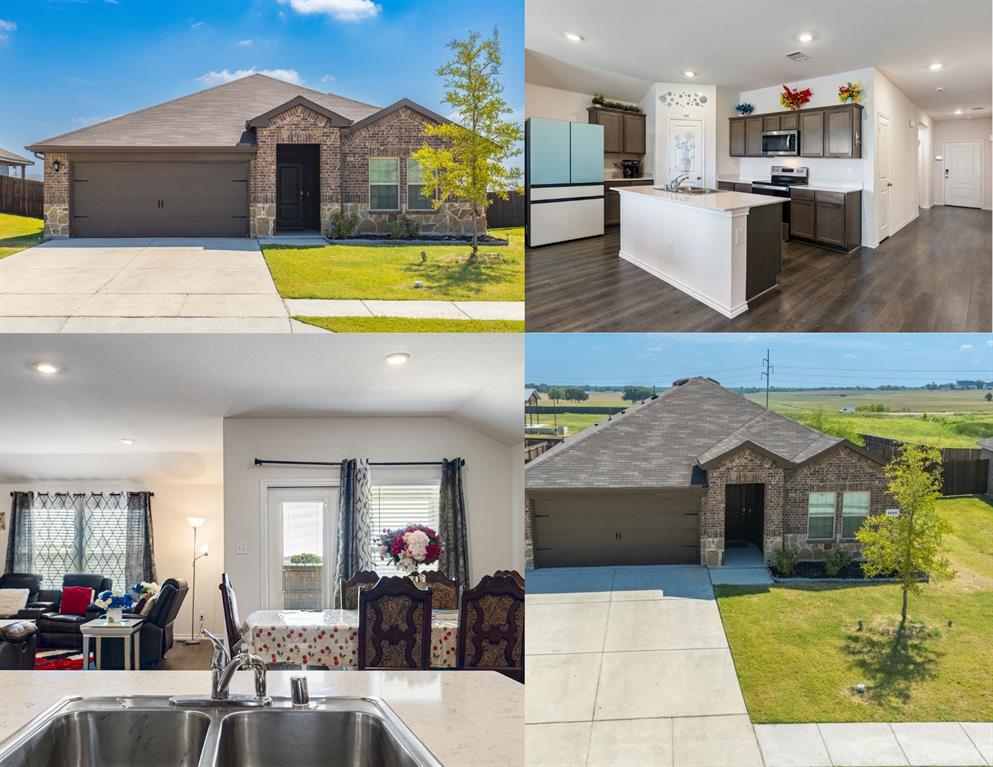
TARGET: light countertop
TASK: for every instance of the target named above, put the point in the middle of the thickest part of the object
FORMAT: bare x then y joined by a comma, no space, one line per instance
464,717
717,202
823,186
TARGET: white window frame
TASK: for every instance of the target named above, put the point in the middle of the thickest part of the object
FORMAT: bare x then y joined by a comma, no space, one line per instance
372,184
849,514
834,509
430,207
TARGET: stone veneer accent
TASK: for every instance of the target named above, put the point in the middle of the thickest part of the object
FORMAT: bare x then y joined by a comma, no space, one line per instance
56,191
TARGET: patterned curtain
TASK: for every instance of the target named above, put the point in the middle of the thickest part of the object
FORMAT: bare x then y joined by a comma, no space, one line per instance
454,561
20,538
354,550
139,562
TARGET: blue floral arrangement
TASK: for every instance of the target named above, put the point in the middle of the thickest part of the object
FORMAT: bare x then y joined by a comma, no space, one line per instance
745,108
110,600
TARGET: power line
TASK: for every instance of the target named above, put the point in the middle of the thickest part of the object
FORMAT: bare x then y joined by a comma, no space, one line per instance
767,375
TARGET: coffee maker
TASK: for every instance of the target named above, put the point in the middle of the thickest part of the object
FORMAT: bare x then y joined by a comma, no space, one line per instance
631,168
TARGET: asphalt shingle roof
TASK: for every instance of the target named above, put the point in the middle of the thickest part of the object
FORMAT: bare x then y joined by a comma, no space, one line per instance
6,156
663,441
214,117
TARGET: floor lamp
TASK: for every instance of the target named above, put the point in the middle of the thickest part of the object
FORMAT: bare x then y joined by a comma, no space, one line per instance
198,553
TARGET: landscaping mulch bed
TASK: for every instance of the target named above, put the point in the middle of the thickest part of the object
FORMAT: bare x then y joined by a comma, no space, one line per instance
816,571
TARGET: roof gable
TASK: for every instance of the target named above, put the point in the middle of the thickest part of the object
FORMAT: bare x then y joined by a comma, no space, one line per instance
262,121
413,106
10,158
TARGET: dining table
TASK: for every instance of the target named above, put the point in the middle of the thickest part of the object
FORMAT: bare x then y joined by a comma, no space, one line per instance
331,637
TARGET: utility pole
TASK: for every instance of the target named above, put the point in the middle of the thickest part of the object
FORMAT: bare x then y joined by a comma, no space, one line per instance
767,375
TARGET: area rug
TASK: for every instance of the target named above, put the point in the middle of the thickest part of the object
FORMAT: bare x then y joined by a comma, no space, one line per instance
59,660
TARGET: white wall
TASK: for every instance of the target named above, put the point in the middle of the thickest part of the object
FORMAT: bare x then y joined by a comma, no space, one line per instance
727,100
491,493
171,505
658,115
962,130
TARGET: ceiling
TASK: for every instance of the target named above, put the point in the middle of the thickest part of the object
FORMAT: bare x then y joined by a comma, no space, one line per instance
629,44
170,394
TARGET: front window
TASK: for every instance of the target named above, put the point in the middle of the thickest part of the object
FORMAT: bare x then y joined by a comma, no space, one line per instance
415,187
384,183
854,510
394,506
820,516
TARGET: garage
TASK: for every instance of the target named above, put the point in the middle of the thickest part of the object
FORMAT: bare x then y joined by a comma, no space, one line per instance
616,527
160,199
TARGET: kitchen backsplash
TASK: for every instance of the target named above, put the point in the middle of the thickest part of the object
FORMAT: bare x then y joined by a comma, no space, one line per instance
821,169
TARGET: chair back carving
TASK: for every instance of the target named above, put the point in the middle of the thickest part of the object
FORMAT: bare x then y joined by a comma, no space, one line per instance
394,625
363,579
491,627
232,621
444,591
518,578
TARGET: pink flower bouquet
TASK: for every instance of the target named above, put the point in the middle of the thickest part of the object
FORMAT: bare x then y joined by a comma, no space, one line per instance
410,548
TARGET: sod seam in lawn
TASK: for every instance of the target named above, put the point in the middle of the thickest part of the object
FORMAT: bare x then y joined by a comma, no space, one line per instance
412,325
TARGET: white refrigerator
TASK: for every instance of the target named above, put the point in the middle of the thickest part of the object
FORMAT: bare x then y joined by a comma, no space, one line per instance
563,183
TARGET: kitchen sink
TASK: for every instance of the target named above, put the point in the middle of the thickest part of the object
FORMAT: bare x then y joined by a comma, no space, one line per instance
148,731
689,190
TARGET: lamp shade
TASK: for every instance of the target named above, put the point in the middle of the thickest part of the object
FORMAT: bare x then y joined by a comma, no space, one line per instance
203,550
195,521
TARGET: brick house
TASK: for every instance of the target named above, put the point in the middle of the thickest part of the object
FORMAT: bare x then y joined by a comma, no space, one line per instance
253,157
690,473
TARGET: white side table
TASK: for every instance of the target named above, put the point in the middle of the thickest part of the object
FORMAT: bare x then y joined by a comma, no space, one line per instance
100,629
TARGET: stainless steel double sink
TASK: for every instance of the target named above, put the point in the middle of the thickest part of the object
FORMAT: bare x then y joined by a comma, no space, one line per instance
145,731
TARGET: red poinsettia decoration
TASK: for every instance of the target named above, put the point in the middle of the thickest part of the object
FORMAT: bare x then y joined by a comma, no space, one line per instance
794,99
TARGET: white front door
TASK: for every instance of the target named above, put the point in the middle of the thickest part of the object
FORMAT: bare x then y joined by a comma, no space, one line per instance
300,547
684,150
963,173
883,180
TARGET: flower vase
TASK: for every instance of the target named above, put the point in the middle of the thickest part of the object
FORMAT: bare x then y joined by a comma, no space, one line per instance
115,614
420,579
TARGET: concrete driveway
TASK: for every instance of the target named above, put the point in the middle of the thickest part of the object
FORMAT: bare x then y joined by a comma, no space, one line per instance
630,665
141,285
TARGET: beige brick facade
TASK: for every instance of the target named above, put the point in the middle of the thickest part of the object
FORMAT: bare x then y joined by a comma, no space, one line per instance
56,191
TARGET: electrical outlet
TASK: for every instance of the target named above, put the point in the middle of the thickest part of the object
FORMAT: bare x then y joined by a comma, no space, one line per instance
849,170
739,236
670,248
241,548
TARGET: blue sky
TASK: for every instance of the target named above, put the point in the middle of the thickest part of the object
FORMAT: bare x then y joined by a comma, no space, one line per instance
69,63
800,359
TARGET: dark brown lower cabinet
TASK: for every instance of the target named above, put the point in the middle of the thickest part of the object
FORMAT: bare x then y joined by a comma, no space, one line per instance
832,219
802,214
612,200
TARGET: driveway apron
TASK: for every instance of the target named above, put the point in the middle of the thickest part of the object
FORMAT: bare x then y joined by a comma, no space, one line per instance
630,665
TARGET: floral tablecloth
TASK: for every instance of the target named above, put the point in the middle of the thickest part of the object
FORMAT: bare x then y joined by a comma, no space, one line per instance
331,637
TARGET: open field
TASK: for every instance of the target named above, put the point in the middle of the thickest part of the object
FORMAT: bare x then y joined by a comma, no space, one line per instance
798,652
907,401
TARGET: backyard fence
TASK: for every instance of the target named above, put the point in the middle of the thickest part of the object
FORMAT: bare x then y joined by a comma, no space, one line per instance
303,587
533,451
588,409
504,213
22,197
963,470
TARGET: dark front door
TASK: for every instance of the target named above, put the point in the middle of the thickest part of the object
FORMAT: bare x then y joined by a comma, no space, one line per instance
296,187
743,513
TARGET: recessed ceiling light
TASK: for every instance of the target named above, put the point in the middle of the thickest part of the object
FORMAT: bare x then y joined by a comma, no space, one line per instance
689,73
939,89
573,37
46,368
958,111
936,66
805,37
127,441
397,358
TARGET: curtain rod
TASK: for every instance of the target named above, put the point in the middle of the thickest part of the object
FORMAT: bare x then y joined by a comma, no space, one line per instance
271,462
84,492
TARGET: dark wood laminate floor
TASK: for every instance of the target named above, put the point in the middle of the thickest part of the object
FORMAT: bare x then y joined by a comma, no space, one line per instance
933,275
183,657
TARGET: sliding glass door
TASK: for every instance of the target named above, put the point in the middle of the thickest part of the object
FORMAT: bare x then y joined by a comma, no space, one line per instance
300,552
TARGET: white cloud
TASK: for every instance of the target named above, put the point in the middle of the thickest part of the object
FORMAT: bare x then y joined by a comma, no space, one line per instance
966,347
84,120
849,356
244,43
342,10
990,342
196,25
226,76
328,79
7,26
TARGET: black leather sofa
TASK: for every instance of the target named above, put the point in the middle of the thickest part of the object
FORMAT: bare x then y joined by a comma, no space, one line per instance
39,600
57,630
18,644
156,632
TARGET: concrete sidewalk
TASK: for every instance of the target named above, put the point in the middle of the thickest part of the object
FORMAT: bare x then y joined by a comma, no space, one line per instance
446,310
917,744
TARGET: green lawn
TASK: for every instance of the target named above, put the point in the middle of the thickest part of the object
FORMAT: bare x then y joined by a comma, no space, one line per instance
412,325
798,652
389,272
18,233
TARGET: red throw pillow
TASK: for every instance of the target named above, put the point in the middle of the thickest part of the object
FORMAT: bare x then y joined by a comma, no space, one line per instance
75,600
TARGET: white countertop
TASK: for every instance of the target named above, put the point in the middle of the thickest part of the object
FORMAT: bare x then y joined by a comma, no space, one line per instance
823,186
719,202
464,717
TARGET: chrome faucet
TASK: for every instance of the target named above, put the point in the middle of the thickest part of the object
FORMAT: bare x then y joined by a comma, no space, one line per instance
673,186
222,671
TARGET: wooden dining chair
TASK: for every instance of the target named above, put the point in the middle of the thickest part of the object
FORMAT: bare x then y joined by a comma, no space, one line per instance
362,579
232,621
518,578
444,591
491,627
394,625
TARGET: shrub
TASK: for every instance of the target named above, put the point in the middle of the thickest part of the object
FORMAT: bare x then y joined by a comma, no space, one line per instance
785,561
404,228
342,225
835,561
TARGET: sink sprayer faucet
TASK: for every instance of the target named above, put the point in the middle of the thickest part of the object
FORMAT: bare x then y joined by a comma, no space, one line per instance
222,671
673,185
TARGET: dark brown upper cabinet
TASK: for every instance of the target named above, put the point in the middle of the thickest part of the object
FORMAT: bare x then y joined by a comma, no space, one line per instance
753,136
623,132
825,132
770,123
812,134
788,121
843,132
737,133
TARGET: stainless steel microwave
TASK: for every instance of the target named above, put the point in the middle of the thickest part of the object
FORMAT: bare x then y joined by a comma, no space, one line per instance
777,143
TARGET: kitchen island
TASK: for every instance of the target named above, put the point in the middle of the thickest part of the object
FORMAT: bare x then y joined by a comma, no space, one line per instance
722,248
463,717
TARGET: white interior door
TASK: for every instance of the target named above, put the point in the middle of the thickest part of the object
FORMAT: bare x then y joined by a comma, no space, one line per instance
884,181
684,150
963,173
300,551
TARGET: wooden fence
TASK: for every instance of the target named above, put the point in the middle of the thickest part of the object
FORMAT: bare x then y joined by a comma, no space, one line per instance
963,469
509,212
588,409
22,197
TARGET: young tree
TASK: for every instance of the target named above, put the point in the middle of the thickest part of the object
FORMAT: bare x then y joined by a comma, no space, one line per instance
912,542
575,394
636,393
471,162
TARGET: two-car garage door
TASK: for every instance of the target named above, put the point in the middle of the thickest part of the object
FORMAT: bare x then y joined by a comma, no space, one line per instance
160,199
614,527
